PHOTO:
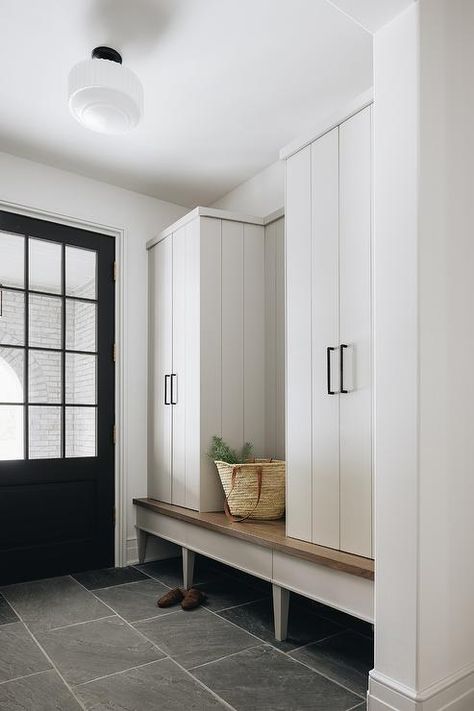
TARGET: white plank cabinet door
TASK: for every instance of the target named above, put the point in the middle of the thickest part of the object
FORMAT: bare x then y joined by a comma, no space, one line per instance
298,339
325,338
191,395
160,368
254,337
232,333
179,374
270,342
279,227
355,333
211,496
275,340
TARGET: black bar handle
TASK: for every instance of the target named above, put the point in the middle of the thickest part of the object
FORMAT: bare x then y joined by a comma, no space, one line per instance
174,396
329,349
342,346
167,379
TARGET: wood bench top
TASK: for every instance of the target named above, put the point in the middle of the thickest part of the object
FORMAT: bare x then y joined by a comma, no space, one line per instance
269,534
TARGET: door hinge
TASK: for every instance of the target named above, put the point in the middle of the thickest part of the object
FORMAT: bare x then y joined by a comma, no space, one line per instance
114,270
114,352
114,434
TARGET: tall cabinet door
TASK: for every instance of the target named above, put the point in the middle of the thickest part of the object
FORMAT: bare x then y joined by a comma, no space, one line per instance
160,354
355,333
298,339
179,374
185,376
325,339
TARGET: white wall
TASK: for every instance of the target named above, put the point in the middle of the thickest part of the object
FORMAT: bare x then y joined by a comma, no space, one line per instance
260,195
424,261
41,187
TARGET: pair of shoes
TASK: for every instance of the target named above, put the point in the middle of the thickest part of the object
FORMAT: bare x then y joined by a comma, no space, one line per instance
189,599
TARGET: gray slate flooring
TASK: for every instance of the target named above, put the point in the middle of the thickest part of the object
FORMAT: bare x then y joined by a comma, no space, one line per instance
98,642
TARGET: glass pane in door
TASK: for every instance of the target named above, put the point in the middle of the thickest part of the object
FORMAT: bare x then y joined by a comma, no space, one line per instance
80,379
12,317
45,260
44,377
45,315
12,375
11,432
81,325
12,260
81,432
81,268
44,429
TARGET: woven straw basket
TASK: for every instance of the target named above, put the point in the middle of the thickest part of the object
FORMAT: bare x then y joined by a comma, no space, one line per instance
254,490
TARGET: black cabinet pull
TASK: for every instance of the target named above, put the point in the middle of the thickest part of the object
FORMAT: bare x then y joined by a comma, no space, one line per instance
167,379
174,395
342,347
329,349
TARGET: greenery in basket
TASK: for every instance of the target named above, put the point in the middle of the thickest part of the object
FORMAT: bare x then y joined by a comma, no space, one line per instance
221,452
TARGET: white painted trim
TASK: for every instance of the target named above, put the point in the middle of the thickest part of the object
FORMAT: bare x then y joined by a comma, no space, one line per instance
205,212
274,216
358,104
132,551
454,693
119,234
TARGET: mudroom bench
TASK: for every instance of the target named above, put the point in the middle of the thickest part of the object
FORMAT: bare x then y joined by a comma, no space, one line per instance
340,580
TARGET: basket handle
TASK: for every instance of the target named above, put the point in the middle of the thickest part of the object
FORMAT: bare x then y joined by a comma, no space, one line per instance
239,519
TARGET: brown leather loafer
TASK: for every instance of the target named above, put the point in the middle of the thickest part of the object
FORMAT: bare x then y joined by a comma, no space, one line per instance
171,598
192,598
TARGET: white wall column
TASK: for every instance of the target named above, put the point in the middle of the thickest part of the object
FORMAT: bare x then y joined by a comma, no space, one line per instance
424,296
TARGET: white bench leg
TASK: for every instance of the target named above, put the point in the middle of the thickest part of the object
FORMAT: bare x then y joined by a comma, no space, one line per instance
281,604
142,538
188,568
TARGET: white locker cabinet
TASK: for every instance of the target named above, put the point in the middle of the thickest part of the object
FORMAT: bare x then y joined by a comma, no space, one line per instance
329,338
207,351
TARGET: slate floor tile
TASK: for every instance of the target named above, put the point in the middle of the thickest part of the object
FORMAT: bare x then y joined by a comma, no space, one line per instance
161,685
41,692
303,626
19,654
136,601
196,637
228,592
54,602
107,577
93,649
330,613
170,571
263,679
346,658
263,585
7,615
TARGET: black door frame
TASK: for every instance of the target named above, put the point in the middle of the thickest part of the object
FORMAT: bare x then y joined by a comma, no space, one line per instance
56,227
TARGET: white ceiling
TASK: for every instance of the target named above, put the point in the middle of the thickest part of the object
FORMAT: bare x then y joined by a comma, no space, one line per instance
227,83
372,14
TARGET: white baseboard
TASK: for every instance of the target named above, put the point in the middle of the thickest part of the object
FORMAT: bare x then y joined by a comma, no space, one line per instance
455,693
157,549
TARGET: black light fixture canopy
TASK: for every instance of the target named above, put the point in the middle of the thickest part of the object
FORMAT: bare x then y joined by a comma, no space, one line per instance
107,53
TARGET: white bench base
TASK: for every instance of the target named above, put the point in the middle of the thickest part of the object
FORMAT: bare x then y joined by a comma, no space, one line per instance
346,592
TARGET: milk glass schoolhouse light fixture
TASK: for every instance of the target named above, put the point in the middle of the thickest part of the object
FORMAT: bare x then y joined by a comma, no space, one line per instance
105,96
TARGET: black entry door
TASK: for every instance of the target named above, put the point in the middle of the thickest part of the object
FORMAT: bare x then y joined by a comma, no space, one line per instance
56,399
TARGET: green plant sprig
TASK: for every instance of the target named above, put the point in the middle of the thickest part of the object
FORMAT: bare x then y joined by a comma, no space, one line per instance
220,451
